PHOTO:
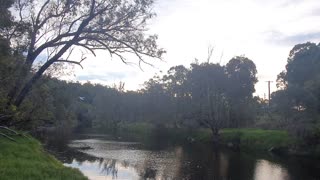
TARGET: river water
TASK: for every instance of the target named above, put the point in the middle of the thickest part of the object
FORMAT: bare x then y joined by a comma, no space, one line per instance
102,159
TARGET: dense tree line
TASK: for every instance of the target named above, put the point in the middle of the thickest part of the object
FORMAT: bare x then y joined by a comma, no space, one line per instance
205,94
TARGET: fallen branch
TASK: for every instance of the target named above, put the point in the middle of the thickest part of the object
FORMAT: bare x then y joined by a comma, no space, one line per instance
8,129
12,131
5,116
8,137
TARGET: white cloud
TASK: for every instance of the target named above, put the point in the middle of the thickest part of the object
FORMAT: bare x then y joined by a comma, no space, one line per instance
265,31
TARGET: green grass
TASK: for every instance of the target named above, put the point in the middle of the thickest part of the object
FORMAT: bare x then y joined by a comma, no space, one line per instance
257,139
136,131
26,159
202,135
138,128
248,139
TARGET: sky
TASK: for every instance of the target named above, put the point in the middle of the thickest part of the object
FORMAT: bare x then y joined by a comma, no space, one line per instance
264,31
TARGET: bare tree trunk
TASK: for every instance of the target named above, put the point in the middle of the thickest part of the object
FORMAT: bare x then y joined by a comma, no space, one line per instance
215,136
29,84
31,58
23,74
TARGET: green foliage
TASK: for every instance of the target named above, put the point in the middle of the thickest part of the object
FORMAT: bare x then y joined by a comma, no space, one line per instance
5,19
137,131
172,101
242,77
25,159
301,78
207,94
202,135
298,101
138,128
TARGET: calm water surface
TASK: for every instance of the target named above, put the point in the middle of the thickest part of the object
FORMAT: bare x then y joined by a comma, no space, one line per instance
107,159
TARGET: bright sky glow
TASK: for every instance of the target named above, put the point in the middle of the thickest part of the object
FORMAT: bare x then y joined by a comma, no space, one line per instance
264,31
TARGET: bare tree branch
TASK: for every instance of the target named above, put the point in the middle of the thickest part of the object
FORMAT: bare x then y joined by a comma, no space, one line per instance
8,129
73,62
117,27
8,137
40,12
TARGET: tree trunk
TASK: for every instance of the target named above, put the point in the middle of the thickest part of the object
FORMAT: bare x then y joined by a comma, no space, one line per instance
215,137
27,87
24,71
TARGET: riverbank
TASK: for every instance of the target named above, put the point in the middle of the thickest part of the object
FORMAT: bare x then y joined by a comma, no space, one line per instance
242,139
257,139
239,139
26,159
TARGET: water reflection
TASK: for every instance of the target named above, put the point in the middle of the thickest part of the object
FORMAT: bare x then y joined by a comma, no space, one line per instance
124,160
104,170
265,170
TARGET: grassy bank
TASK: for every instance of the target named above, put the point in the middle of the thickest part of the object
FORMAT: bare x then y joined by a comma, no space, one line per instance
245,139
26,159
257,139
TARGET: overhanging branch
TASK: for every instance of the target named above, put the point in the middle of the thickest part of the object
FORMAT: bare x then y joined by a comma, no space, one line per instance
72,62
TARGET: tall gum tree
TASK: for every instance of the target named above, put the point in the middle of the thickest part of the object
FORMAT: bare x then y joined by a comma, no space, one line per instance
207,83
60,28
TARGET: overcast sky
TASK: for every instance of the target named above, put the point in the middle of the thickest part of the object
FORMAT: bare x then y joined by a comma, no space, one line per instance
262,30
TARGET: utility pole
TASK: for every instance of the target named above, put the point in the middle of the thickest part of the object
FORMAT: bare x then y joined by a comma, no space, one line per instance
269,82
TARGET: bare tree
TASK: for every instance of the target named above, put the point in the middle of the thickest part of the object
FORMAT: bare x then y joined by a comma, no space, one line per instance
216,112
60,28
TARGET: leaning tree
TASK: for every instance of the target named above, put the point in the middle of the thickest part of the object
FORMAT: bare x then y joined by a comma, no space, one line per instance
59,29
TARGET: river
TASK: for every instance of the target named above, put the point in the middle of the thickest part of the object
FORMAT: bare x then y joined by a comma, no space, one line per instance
103,159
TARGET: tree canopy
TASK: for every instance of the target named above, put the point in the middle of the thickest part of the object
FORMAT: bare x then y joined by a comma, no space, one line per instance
58,29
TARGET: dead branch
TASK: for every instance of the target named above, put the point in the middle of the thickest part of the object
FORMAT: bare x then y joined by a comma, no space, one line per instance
12,131
5,116
8,137
72,62
8,129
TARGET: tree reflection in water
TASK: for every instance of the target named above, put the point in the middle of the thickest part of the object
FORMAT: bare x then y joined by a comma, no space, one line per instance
108,167
149,173
125,162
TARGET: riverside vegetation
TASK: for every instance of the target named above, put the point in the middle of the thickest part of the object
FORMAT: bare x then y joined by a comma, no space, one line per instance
245,139
203,103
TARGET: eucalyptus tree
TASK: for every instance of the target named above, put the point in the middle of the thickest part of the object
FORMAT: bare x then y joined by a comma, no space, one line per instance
156,101
301,78
175,83
108,108
298,101
242,77
209,98
58,29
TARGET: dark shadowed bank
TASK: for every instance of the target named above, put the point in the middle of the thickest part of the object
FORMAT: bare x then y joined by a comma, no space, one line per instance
26,159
